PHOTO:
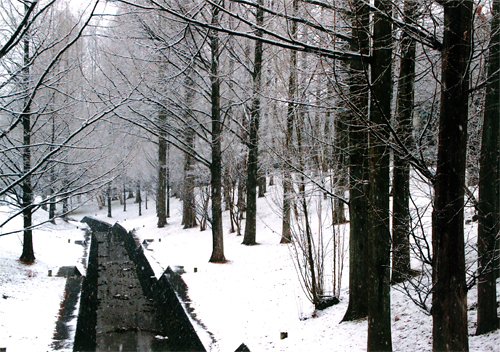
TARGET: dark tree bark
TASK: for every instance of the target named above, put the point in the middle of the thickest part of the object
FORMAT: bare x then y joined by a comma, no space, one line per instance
52,205
261,180
65,189
168,181
358,168
124,198
252,172
188,197
162,169
52,178
341,142
241,202
449,309
401,172
108,197
286,234
379,237
488,202
139,197
228,192
216,165
28,254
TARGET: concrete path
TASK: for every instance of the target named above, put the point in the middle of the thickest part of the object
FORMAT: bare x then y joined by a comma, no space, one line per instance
125,317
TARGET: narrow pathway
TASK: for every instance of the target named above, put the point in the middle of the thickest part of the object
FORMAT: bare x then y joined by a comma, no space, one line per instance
125,317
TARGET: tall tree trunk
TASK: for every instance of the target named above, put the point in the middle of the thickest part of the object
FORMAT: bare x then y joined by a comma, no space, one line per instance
52,201
358,167
52,177
309,257
124,197
162,169
488,203
253,152
261,181
161,197
168,180
65,189
401,172
340,163
449,309
28,254
108,197
139,197
379,237
216,165
286,235
241,202
228,192
188,197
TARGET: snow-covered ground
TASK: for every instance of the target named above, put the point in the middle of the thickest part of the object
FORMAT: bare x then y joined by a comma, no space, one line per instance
30,299
251,299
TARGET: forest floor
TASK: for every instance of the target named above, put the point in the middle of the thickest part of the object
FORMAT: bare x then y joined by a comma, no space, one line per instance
251,299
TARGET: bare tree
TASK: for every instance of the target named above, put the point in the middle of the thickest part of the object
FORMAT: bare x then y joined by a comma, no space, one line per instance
379,237
449,309
188,204
28,255
488,202
401,173
216,164
288,191
358,167
253,153
31,59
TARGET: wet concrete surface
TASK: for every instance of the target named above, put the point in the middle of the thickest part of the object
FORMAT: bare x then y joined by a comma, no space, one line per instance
126,318
123,306
67,314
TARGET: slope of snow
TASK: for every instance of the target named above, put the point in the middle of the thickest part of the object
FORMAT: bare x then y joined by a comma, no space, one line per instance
30,299
251,299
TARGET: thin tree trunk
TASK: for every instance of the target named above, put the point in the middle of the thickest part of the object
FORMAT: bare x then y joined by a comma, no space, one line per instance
228,198
124,198
65,200
52,200
52,178
216,165
358,156
252,172
310,254
108,197
449,309
401,172
188,197
241,203
52,205
340,175
286,235
488,203
139,197
379,237
162,169
168,180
